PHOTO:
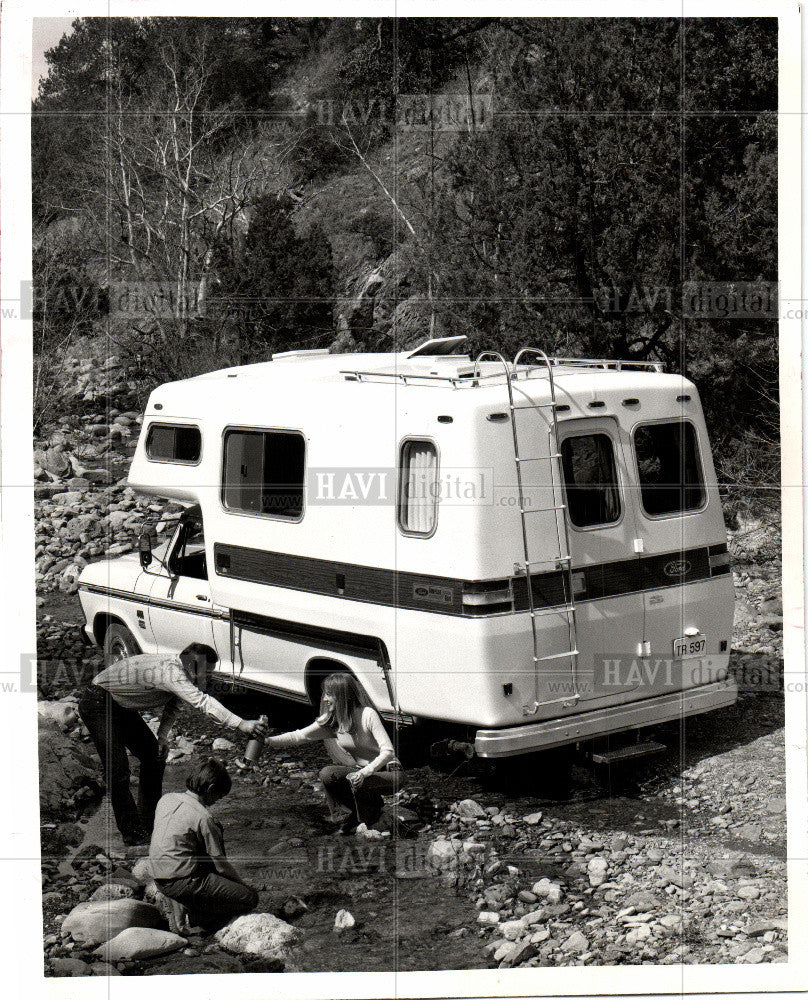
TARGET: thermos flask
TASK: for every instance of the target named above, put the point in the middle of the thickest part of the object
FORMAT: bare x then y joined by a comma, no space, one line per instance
255,745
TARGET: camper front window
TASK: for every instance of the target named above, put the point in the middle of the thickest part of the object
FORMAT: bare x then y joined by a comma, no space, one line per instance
264,473
180,444
668,467
418,488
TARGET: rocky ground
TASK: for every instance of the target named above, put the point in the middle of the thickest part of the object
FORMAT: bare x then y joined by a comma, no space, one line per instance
678,859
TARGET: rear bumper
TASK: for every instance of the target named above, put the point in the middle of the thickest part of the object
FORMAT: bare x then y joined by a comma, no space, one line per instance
618,718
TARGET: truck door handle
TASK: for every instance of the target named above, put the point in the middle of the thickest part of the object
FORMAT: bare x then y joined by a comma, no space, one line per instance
202,597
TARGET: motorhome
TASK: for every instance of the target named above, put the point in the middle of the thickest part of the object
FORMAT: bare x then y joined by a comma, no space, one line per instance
530,553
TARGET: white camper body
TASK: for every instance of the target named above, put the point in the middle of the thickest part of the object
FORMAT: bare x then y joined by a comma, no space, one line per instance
534,552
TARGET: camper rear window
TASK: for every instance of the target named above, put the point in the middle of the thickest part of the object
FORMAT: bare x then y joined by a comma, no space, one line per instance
669,468
264,472
590,479
418,488
177,443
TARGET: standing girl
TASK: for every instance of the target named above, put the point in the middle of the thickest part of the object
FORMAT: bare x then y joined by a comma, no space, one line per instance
365,766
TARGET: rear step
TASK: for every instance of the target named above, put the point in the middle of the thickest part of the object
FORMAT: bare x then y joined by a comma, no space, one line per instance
628,753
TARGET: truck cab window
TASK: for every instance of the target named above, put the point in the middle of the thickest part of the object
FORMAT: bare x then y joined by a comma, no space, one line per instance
264,473
669,468
188,557
590,480
418,488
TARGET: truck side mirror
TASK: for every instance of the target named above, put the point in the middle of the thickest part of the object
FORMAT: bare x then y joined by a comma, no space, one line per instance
144,548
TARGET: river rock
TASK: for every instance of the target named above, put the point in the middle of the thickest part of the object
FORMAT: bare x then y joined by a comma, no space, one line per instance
112,890
547,890
513,929
220,744
104,969
95,922
69,967
597,869
470,809
575,944
53,460
257,934
343,921
443,854
63,714
643,901
523,951
675,876
135,943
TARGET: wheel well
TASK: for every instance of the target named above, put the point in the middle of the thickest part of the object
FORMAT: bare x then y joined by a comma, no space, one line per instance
101,624
317,669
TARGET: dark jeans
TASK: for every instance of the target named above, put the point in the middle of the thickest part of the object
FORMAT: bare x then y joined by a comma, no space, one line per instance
210,898
114,730
365,803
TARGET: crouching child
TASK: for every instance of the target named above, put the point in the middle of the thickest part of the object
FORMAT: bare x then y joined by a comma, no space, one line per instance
198,886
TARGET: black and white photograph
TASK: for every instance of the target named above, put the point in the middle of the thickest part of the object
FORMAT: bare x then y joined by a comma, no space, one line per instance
402,499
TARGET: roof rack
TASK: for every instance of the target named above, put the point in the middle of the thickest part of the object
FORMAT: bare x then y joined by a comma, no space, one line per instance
471,375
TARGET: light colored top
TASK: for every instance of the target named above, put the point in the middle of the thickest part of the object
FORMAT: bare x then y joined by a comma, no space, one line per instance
148,682
184,834
365,743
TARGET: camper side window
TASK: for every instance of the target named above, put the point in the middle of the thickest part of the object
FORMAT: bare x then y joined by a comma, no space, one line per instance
264,473
418,488
590,480
669,468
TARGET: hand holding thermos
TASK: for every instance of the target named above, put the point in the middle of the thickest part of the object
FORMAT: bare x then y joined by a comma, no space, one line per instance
256,742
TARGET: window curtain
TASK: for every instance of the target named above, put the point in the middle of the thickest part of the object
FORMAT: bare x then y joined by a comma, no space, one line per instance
419,487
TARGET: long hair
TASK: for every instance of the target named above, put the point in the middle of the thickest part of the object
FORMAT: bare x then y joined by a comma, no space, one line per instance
347,697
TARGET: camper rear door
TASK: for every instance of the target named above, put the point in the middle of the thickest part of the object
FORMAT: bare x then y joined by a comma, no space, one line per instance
602,529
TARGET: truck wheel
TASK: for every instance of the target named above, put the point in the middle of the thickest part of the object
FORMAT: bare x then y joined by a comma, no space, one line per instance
119,643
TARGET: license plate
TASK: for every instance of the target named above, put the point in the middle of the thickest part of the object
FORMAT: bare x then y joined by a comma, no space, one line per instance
690,645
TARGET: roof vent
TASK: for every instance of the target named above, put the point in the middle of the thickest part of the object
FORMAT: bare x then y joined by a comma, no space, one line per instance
438,346
631,401
596,404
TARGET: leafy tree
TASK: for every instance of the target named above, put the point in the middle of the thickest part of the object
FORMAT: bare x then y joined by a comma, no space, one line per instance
279,284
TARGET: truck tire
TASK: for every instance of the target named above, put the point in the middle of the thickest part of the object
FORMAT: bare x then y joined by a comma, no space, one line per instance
119,643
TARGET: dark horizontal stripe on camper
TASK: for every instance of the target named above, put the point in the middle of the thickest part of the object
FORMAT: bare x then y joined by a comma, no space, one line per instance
444,595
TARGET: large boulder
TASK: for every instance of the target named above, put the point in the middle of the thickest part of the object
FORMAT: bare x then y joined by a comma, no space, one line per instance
139,942
98,921
258,934
63,769
53,460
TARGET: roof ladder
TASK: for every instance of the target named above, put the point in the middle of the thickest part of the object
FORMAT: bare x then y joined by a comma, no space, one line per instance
563,560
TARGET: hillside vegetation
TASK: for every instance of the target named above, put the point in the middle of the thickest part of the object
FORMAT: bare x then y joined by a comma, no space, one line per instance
210,191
